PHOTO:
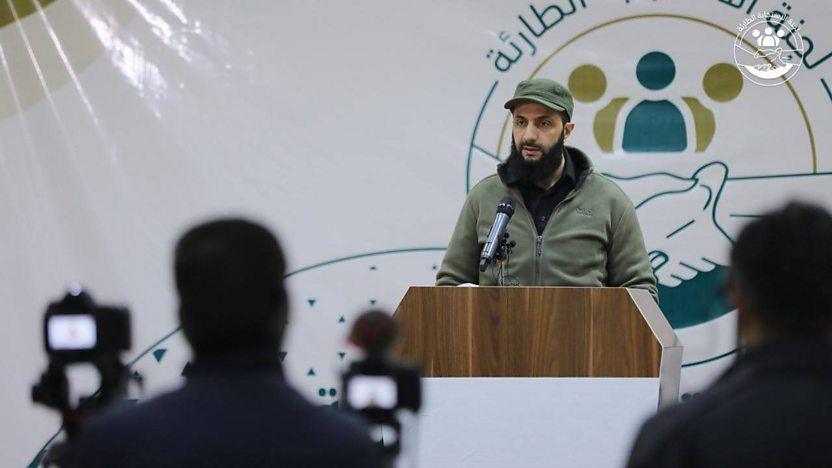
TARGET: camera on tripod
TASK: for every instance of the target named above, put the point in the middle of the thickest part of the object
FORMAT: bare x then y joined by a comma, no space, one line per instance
380,388
77,330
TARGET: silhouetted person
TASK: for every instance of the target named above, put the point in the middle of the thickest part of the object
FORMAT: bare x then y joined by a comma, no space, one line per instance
773,406
235,408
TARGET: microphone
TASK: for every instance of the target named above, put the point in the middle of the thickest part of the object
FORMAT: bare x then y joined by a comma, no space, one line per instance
495,237
375,331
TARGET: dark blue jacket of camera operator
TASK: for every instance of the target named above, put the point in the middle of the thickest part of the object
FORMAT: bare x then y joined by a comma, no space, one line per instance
770,409
231,412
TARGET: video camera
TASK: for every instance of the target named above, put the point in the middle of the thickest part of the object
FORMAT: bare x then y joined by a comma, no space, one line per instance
77,330
378,387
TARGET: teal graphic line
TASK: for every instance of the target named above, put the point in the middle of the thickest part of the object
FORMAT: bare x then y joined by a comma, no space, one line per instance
153,346
780,176
716,203
677,177
677,231
710,195
36,461
715,358
474,136
651,197
488,153
826,87
641,176
718,190
688,265
364,255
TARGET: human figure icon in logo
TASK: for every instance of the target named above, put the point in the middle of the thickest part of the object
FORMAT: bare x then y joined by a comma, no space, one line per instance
768,43
768,38
655,125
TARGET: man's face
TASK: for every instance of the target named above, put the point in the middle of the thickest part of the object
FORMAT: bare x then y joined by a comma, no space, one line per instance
536,129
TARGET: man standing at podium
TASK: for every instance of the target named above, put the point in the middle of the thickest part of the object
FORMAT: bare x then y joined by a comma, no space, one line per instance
572,226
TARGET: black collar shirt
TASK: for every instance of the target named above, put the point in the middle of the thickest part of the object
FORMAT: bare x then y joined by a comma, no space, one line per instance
541,203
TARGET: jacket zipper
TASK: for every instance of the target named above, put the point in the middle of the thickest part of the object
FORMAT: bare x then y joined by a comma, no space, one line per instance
538,247
538,254
538,251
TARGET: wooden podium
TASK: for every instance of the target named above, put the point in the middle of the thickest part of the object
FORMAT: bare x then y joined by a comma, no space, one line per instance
536,376
540,332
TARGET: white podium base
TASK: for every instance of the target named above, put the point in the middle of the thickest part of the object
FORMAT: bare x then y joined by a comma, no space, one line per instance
530,422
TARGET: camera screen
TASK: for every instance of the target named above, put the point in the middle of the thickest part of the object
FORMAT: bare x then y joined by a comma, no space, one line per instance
71,332
372,391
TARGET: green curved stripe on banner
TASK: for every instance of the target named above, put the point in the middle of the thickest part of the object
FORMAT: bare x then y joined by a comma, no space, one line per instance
13,10
603,128
703,119
474,137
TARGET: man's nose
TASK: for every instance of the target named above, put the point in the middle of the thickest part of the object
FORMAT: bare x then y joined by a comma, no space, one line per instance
530,134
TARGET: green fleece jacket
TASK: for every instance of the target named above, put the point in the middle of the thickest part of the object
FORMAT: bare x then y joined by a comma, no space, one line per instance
591,239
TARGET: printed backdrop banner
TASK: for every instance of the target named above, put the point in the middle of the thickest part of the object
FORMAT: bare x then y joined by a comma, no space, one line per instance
355,130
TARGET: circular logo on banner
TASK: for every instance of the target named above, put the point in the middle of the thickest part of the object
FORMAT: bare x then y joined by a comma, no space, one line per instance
675,128
768,50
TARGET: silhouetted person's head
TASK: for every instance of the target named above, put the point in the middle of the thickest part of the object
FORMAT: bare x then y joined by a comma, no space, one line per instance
375,331
229,274
781,275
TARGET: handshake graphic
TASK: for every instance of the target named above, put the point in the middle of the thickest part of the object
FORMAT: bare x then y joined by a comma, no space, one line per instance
689,221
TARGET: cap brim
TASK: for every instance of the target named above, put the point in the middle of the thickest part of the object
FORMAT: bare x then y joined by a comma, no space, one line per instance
513,102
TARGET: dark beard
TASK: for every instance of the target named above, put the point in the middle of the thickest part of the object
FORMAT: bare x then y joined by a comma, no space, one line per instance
528,173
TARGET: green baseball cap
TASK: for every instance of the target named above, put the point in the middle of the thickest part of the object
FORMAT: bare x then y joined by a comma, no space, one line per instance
543,91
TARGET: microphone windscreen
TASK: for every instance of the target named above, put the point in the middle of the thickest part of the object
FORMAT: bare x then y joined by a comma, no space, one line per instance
374,331
506,206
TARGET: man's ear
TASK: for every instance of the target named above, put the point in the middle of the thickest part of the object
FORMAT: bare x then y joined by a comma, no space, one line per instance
735,294
567,129
731,287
